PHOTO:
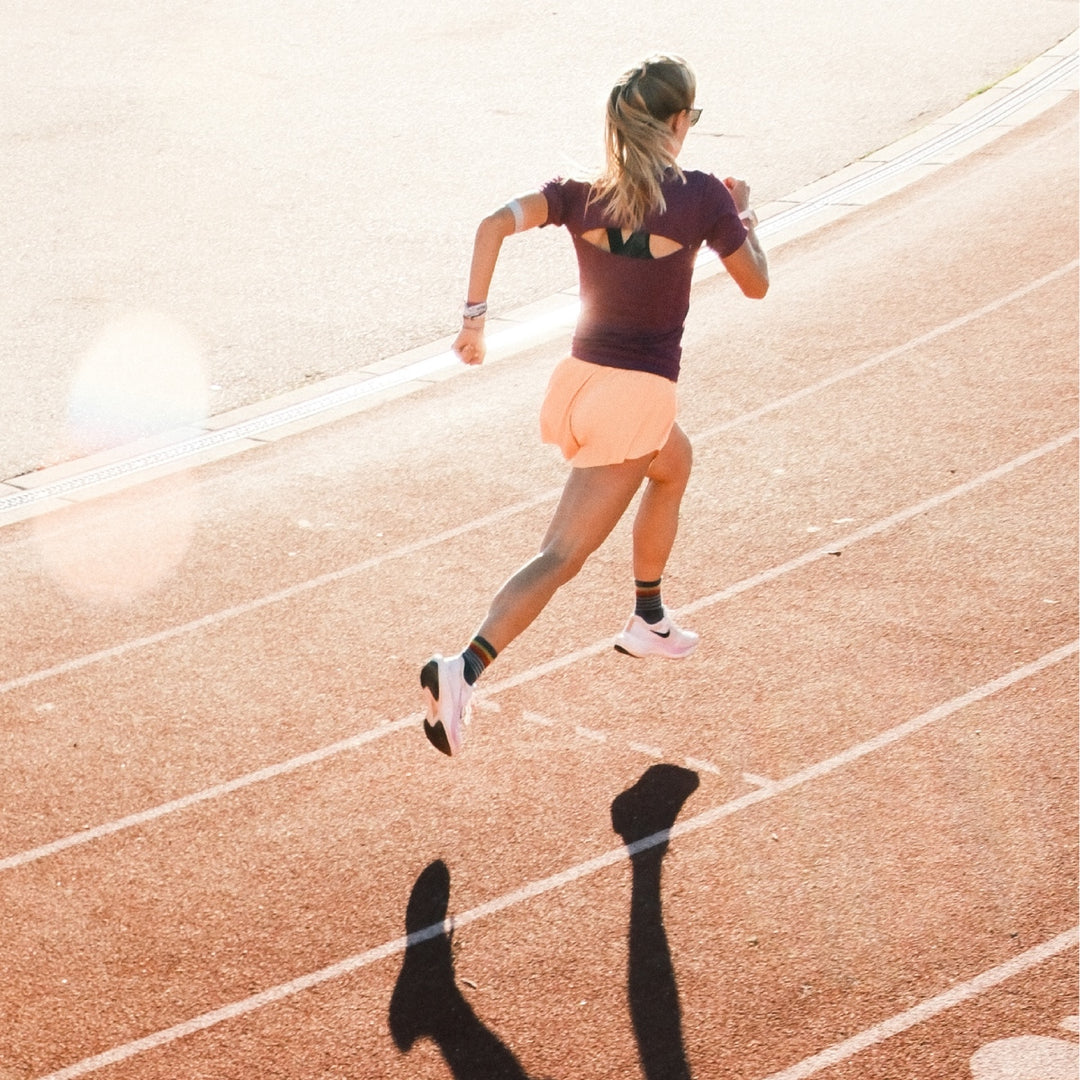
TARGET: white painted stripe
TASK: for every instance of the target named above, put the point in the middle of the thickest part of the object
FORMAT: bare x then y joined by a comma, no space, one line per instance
293,591
991,116
756,781
899,518
529,675
591,734
407,550
538,718
878,742
800,561
702,766
930,1008
889,354
555,881
271,772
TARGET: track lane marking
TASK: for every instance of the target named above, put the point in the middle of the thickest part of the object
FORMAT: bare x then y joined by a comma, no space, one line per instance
217,791
215,618
927,1010
797,562
568,876
536,672
366,565
757,781
890,354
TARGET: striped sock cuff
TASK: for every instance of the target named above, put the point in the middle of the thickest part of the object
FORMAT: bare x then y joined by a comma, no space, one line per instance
647,602
477,657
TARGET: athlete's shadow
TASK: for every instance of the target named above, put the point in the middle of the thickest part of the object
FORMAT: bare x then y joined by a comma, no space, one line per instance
643,816
426,1002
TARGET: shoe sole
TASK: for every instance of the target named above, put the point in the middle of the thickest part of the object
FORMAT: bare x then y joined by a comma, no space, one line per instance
642,655
436,733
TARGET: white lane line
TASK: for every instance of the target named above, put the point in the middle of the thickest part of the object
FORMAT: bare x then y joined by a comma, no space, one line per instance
799,561
217,617
538,718
757,781
591,734
239,610
885,738
992,116
559,880
900,517
889,354
702,766
144,817
930,1008
531,674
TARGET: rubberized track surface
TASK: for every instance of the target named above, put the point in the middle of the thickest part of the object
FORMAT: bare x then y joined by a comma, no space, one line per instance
221,820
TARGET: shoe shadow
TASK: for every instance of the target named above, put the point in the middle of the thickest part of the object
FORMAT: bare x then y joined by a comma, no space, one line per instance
643,816
426,1002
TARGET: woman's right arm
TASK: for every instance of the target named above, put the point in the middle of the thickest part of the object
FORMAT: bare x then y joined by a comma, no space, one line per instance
490,234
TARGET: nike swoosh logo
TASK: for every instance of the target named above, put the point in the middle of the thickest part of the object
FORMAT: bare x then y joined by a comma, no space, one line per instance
666,633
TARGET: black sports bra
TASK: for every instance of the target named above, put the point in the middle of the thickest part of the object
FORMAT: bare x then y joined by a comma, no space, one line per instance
636,245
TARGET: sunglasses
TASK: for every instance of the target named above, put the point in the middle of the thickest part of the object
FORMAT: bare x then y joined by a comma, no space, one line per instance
695,116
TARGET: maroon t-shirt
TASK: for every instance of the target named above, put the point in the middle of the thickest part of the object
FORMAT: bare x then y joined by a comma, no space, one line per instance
633,309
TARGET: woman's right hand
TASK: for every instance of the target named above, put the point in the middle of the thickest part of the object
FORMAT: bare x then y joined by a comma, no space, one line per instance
470,346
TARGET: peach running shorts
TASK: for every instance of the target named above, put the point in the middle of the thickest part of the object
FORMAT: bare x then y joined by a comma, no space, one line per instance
600,415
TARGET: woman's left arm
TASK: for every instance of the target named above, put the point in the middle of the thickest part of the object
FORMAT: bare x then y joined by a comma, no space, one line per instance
524,212
749,265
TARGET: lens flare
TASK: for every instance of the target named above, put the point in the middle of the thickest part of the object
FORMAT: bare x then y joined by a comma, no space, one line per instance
142,378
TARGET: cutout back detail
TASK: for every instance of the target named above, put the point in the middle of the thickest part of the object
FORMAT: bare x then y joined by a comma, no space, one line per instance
638,245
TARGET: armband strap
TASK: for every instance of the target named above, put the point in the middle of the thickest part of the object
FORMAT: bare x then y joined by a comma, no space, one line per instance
518,211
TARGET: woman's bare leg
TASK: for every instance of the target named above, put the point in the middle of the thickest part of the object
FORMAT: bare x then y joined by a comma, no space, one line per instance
657,518
592,502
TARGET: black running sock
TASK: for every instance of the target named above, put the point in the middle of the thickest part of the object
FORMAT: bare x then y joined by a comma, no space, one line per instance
477,657
647,603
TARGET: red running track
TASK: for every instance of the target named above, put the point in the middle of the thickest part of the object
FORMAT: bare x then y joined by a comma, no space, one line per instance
221,820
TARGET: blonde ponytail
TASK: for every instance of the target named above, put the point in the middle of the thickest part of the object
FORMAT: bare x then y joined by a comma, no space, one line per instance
637,137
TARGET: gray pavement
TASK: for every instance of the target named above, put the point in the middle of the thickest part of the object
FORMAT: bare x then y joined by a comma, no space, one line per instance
292,193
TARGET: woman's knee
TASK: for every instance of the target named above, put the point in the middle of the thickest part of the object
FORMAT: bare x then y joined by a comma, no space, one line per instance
674,461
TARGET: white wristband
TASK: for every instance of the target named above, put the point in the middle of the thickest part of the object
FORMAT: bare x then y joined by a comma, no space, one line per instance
749,218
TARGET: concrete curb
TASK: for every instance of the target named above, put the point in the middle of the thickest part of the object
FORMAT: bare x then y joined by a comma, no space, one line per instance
1042,84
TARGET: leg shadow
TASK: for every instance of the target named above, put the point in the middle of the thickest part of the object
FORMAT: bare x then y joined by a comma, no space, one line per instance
426,1002
643,815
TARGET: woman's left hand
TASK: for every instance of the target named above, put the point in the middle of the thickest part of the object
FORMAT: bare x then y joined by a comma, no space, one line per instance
740,192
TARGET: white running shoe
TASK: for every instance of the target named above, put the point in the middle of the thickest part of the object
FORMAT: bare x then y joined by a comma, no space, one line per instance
665,638
446,696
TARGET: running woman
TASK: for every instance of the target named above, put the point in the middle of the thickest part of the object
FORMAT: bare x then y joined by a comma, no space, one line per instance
610,406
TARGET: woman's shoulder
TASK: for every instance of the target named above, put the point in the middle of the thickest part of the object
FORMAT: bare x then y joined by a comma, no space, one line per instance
706,191
705,182
567,199
569,184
